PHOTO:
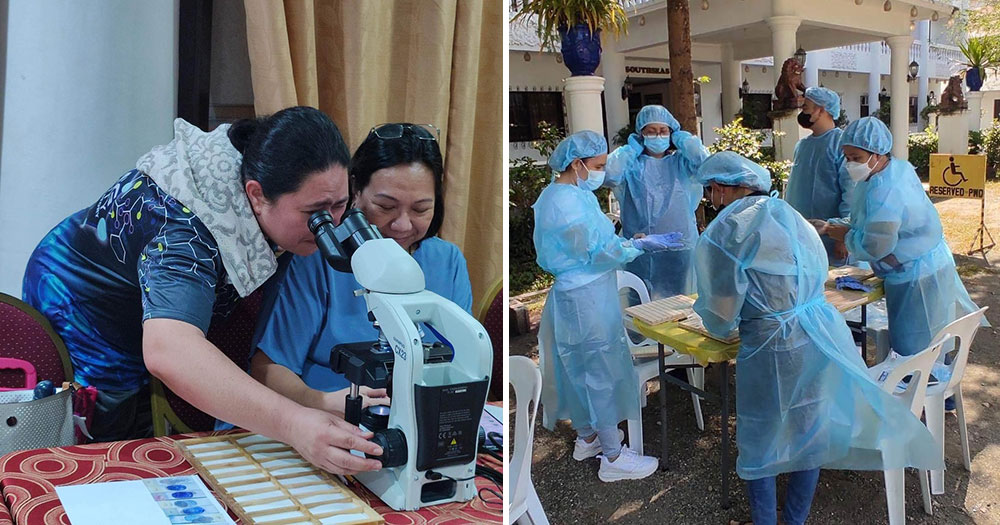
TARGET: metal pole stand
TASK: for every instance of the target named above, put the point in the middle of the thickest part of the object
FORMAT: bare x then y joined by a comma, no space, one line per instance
982,234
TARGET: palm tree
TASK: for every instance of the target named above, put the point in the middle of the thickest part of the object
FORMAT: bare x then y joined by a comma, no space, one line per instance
682,77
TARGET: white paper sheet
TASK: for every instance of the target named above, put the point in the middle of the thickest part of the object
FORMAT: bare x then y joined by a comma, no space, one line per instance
158,501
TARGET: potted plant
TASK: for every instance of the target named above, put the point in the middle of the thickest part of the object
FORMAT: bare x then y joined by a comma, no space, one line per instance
577,24
981,53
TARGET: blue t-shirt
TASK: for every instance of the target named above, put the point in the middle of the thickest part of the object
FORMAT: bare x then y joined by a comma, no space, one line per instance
316,310
136,254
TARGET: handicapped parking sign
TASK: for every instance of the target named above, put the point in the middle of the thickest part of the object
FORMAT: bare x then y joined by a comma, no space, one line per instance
957,175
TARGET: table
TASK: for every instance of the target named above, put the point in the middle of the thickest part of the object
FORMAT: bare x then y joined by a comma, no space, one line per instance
706,350
28,479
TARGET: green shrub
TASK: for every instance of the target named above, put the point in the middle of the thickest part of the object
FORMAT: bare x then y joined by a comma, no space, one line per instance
527,180
747,142
975,142
925,114
921,146
991,147
883,113
621,137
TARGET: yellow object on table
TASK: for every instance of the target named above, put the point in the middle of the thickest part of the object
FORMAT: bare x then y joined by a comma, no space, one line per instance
704,349
707,350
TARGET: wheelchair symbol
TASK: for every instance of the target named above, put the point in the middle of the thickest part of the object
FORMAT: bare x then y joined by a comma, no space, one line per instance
953,168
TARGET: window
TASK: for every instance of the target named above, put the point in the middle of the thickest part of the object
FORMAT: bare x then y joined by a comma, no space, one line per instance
528,108
913,110
864,106
755,109
996,109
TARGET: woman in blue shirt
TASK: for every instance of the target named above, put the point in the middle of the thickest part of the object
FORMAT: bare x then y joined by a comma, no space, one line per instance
396,180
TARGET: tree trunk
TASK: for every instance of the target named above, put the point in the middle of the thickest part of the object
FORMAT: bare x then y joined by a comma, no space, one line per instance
681,75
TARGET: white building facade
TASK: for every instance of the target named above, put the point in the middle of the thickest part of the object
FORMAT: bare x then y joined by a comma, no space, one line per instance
862,49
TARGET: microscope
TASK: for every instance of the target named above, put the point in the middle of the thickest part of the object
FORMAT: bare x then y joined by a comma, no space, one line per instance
429,434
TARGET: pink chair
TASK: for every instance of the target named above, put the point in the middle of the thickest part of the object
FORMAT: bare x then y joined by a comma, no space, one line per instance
233,335
30,376
27,336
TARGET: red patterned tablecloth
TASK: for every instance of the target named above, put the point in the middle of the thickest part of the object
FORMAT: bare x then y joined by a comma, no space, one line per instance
5,518
28,479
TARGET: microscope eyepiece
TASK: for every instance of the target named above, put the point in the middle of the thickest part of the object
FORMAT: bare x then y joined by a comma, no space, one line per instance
318,219
338,243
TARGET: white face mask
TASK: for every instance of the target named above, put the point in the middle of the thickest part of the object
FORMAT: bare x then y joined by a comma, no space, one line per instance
594,179
860,171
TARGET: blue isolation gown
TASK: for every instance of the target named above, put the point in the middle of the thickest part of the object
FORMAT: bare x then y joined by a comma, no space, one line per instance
895,228
316,310
587,372
803,396
819,186
660,196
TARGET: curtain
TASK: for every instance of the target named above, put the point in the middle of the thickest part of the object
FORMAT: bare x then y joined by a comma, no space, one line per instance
367,62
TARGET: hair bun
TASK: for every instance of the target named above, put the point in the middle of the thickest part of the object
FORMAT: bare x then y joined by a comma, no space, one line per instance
241,132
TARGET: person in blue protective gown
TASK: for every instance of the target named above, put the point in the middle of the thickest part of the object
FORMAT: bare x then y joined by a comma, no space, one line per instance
653,179
586,365
396,178
894,227
804,399
819,186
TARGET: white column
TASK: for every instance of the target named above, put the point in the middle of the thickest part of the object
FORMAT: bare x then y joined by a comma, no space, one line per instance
975,99
583,103
731,82
613,67
899,47
783,45
812,73
72,125
923,74
874,76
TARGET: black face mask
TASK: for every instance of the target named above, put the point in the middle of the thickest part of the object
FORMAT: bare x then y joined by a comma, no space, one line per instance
708,203
803,119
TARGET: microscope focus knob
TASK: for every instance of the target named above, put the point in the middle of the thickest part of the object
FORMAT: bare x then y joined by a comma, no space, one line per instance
393,443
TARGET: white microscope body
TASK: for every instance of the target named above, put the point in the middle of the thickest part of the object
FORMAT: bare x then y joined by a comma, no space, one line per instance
436,405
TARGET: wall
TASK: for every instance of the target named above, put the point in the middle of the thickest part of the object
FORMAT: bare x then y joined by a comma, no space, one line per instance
231,83
90,86
711,99
231,90
541,73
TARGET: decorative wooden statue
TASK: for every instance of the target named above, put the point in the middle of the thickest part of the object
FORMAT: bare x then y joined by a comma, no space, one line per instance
789,91
952,99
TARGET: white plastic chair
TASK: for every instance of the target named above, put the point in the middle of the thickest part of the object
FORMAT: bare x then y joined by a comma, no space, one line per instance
964,329
527,381
647,369
919,366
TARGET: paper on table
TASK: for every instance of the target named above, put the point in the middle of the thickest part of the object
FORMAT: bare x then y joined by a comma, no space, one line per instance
134,502
492,421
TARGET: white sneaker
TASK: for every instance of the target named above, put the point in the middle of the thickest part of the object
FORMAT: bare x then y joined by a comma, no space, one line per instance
628,465
583,450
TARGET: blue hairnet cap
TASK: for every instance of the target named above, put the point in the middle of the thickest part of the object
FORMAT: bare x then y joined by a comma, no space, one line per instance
869,134
580,145
732,169
655,115
826,99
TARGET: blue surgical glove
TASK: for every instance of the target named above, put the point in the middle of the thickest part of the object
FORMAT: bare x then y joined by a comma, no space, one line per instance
679,137
689,146
635,144
659,241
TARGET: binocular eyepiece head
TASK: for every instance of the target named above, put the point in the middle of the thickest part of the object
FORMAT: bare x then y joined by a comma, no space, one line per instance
338,243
